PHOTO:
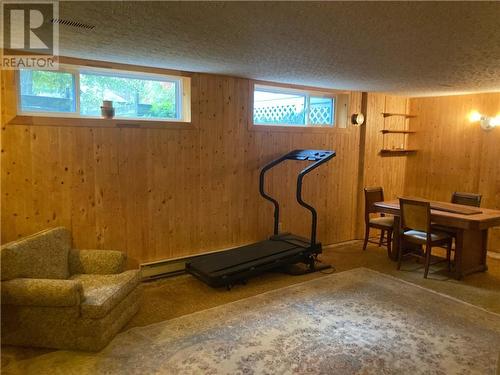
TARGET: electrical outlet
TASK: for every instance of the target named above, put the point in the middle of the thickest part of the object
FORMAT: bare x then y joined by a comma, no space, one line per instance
280,227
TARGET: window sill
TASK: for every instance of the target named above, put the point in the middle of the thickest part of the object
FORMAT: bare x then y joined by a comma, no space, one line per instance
98,122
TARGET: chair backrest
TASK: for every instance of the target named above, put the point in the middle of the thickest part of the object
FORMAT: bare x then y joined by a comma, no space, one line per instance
372,195
43,255
415,214
468,199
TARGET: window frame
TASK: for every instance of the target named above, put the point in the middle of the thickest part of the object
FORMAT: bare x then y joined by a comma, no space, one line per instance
183,102
289,89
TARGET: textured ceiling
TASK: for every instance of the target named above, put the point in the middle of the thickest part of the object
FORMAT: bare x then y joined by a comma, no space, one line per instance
408,48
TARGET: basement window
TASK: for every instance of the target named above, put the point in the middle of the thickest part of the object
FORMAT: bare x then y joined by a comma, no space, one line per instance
77,91
132,97
47,91
278,106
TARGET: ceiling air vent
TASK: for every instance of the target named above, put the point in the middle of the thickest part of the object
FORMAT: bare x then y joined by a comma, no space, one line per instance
71,23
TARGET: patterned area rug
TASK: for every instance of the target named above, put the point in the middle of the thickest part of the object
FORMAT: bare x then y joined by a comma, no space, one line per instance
354,322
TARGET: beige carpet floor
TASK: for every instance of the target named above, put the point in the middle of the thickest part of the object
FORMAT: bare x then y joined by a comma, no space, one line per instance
173,297
170,298
353,322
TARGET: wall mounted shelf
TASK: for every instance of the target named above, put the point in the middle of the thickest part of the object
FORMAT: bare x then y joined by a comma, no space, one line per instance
396,152
396,132
406,115
395,141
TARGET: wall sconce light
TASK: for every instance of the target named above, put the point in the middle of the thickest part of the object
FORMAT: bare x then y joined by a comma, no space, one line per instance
487,123
357,119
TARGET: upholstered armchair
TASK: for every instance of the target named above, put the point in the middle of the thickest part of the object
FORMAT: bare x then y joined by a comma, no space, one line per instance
54,296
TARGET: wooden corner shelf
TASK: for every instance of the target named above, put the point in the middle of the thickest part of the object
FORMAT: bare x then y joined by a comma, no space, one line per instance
397,152
406,115
396,132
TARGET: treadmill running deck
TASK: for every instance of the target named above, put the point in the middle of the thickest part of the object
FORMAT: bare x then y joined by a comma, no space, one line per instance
217,269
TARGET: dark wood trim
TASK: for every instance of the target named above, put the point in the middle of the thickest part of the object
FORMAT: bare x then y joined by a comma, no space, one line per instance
385,152
396,132
388,114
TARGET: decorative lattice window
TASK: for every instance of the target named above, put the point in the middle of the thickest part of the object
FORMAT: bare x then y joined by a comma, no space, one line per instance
291,107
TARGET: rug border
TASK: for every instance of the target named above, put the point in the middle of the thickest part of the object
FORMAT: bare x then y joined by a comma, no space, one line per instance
319,278
267,292
432,291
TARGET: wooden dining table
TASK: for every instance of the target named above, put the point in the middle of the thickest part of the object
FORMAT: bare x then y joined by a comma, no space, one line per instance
470,225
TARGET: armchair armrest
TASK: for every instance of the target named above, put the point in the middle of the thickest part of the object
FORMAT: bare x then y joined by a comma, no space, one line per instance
42,292
97,262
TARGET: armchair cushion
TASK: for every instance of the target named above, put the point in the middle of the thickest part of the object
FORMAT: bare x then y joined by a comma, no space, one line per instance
103,292
41,292
43,255
98,262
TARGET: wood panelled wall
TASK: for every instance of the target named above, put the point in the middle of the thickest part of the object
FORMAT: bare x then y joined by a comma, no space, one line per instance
385,171
454,154
167,193
377,170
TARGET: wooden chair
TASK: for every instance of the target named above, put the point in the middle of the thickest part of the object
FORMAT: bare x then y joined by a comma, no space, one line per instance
384,223
416,228
468,199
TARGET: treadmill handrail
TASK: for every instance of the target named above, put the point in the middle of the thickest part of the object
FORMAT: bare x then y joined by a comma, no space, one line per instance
292,156
314,214
267,196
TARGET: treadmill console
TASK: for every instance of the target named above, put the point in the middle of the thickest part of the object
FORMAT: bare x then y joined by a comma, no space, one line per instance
310,155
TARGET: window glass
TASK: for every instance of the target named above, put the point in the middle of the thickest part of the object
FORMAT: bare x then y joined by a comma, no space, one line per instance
47,91
132,97
279,108
321,111
292,107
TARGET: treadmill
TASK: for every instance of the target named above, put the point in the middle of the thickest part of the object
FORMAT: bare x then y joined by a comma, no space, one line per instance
236,265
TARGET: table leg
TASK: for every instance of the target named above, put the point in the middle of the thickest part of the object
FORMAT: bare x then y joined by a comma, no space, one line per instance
470,252
395,239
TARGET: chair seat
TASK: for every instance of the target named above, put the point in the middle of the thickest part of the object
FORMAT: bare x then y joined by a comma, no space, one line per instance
422,236
103,292
383,221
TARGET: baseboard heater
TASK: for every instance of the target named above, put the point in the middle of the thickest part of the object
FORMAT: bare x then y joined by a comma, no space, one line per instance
166,268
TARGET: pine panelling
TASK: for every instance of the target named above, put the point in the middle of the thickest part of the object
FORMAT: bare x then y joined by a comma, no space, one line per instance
7,100
489,181
388,172
454,154
82,180
166,193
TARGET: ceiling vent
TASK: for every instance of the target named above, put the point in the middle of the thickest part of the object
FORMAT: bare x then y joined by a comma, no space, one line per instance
71,23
